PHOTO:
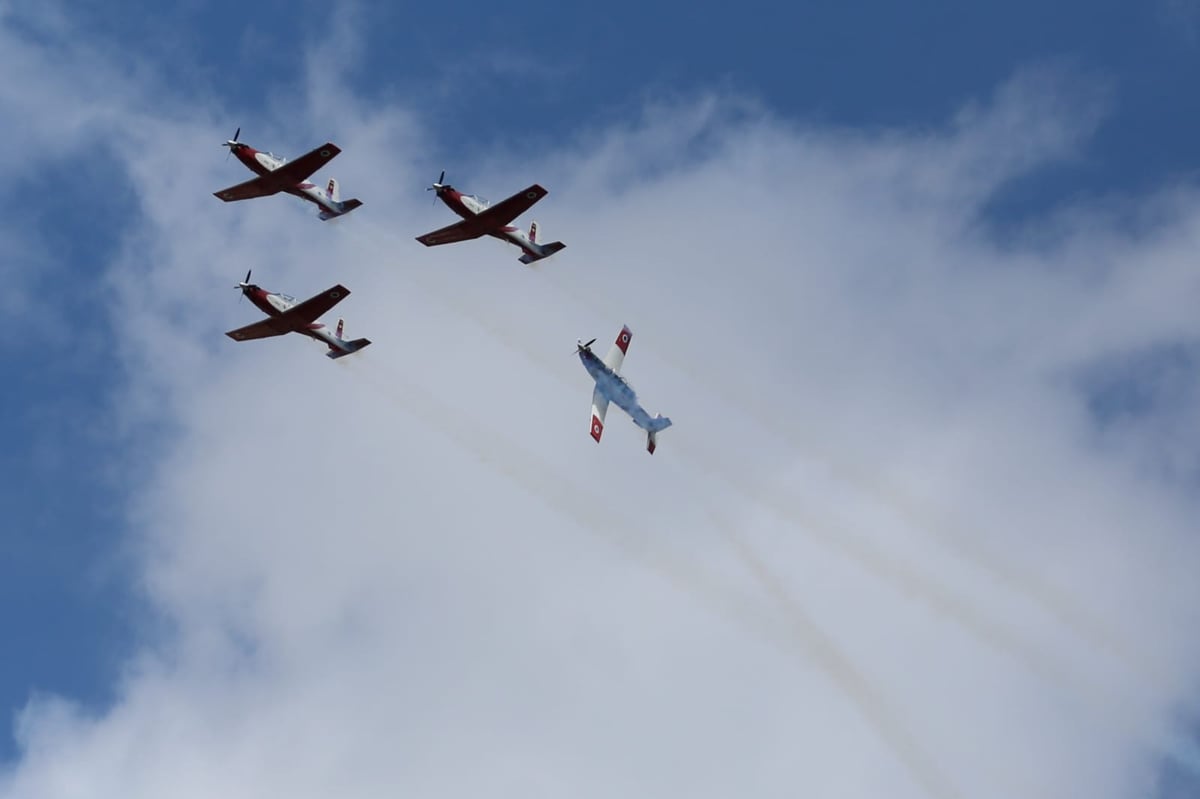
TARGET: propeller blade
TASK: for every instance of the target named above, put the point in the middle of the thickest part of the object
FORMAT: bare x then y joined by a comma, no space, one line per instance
242,286
439,183
230,144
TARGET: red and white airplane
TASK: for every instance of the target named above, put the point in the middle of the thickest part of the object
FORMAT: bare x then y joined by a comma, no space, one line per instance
276,174
288,316
480,218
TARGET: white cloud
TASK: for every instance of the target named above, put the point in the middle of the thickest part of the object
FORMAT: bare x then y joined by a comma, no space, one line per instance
884,550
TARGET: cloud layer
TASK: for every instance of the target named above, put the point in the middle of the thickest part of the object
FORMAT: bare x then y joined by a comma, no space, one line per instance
896,543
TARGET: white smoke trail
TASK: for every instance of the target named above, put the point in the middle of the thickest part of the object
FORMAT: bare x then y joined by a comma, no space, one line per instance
838,537
527,470
834,536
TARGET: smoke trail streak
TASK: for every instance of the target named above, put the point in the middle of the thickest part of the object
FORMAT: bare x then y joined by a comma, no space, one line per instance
518,465
1096,702
1049,598
836,537
822,648
527,470
1073,615
841,538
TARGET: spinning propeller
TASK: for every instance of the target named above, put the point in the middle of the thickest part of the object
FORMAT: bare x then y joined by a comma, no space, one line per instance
233,143
581,347
438,186
245,284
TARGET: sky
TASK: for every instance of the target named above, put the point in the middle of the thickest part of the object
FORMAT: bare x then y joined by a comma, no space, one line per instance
917,289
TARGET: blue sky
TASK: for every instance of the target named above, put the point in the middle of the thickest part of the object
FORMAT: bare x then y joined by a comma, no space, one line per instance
490,89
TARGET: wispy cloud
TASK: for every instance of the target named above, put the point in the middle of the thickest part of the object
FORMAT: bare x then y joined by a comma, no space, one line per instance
884,550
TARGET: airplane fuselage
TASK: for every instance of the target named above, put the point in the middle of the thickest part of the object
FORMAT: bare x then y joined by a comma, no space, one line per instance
265,163
469,207
274,304
614,388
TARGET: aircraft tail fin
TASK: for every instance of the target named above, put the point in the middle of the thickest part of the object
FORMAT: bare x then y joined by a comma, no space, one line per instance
533,232
657,424
541,251
331,192
343,347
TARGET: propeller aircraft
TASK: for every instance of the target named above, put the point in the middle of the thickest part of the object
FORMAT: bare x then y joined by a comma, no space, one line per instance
276,174
288,316
480,218
611,387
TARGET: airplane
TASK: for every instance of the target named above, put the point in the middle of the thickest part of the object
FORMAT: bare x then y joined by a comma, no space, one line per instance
288,316
480,218
276,174
611,387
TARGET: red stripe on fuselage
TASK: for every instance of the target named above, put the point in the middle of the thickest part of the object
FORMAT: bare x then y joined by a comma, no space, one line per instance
453,200
258,296
246,154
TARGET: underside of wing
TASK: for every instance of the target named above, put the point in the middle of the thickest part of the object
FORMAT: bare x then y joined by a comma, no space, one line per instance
262,329
599,409
505,211
301,168
459,231
309,310
261,186
616,353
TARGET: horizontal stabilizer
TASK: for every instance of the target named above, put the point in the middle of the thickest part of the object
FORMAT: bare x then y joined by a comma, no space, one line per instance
543,251
658,423
350,347
344,208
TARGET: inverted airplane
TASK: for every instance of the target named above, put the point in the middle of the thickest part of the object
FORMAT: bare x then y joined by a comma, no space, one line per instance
480,219
611,387
288,316
276,174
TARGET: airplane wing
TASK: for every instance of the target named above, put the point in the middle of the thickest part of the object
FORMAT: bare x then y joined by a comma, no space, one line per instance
459,231
616,354
599,409
300,169
261,186
262,329
308,311
505,211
